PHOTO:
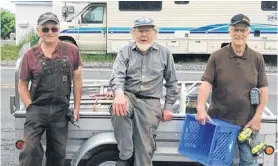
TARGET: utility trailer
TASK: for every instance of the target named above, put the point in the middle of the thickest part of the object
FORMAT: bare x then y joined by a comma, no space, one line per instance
93,144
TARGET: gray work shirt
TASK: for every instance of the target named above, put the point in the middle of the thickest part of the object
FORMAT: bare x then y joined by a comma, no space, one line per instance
144,74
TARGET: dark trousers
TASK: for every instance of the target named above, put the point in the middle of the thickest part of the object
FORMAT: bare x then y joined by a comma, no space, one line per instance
38,120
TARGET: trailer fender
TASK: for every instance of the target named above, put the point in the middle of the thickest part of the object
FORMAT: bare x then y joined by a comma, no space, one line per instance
91,143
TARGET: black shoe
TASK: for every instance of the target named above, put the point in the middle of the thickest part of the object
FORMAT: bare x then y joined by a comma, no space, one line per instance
128,162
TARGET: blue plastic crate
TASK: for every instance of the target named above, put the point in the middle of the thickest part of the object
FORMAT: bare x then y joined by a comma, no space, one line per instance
211,144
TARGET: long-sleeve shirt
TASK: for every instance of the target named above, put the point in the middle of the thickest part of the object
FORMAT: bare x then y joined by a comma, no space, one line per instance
144,74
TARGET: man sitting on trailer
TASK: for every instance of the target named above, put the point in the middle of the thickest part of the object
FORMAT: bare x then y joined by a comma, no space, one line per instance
232,72
137,84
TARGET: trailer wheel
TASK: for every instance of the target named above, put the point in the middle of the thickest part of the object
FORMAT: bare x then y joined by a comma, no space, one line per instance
106,157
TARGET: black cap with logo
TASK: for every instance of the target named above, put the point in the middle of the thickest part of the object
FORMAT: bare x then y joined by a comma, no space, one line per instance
240,19
48,16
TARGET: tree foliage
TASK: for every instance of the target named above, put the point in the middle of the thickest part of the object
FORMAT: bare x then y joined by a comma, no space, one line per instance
31,37
7,23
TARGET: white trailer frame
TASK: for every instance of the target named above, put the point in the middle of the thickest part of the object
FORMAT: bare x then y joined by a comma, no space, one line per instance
96,137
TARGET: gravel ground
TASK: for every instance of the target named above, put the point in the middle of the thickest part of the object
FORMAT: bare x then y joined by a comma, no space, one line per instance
191,66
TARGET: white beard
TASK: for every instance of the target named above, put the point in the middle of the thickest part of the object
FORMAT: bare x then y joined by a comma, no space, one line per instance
143,47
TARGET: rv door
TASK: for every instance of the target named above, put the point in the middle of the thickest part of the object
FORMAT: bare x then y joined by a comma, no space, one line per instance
92,29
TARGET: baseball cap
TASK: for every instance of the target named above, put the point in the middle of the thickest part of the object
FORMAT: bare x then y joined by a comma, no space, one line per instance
143,21
48,16
240,19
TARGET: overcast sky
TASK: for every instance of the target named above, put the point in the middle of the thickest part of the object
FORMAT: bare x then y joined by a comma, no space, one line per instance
6,4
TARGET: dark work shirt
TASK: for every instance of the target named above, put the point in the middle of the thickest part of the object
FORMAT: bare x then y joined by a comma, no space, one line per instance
232,77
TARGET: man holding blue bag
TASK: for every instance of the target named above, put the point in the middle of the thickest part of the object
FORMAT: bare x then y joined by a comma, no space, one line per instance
233,73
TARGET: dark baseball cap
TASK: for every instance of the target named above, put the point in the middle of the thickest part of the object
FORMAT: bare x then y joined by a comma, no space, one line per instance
48,16
143,21
240,19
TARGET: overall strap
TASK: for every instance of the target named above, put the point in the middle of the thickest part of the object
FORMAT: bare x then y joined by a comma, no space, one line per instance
64,49
64,52
37,54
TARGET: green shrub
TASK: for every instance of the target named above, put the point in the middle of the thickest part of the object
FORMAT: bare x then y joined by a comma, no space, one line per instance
31,37
11,51
7,23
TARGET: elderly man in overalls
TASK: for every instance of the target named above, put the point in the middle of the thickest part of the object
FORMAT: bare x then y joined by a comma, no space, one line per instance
50,66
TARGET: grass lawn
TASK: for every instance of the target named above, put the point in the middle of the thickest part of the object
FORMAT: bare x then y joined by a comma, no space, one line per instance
11,52
98,58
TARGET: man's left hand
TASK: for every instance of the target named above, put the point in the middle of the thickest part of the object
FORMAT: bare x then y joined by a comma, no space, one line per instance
254,124
76,114
167,115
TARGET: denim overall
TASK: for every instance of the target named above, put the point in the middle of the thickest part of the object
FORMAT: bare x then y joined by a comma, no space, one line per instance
47,112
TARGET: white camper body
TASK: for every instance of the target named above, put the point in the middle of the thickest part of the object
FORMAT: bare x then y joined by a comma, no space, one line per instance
186,27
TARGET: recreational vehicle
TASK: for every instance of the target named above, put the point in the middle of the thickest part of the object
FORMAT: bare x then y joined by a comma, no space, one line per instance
186,27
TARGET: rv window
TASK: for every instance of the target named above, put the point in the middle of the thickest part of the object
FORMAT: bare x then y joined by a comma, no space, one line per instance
181,2
94,15
140,5
269,5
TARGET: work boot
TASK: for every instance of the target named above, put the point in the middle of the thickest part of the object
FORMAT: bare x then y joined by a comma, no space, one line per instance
128,162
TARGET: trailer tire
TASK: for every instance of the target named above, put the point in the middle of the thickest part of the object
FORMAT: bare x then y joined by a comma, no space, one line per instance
106,157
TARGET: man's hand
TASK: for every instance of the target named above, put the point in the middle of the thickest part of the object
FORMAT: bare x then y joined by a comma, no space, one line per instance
120,105
167,115
76,114
254,124
202,115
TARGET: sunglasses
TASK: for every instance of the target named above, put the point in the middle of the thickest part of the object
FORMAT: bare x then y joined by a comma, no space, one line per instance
53,29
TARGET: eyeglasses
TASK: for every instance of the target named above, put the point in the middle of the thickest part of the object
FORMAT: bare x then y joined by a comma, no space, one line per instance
146,30
53,29
240,30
